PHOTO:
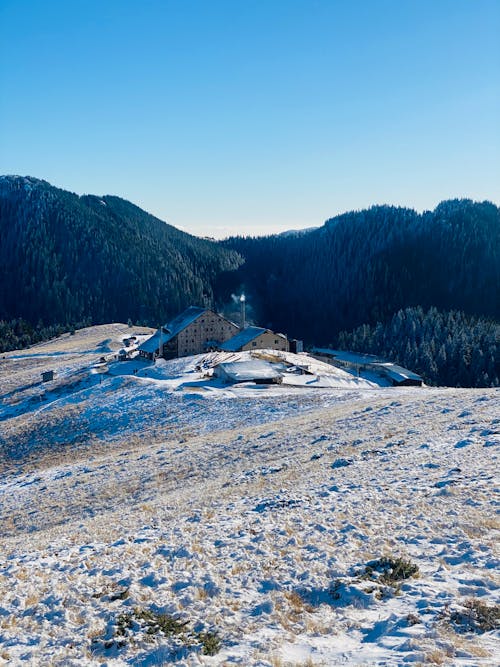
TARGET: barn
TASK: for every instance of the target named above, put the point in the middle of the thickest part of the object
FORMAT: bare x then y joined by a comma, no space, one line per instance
255,338
194,331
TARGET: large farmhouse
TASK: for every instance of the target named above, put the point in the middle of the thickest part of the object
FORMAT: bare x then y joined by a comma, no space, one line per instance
255,338
194,331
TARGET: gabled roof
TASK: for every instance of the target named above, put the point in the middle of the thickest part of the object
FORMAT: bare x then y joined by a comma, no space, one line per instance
242,338
151,344
182,321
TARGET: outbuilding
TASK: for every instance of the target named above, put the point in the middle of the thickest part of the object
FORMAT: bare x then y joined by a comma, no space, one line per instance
399,376
253,370
255,338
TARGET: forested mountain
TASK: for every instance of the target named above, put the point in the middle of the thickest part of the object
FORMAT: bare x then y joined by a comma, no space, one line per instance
362,267
66,259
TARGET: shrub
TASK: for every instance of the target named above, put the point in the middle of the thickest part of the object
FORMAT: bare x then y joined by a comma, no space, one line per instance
210,642
389,570
153,623
476,616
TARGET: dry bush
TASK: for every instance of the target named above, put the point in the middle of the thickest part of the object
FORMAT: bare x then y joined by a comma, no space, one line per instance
476,616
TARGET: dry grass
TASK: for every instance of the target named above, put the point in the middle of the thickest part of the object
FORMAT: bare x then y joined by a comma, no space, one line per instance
276,661
295,601
436,657
201,593
476,616
464,644
477,526
267,356
32,600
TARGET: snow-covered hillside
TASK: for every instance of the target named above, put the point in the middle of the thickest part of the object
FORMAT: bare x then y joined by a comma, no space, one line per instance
162,518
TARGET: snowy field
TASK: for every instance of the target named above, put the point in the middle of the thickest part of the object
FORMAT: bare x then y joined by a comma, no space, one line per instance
161,517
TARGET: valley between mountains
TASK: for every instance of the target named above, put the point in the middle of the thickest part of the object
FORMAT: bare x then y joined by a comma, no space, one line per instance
158,517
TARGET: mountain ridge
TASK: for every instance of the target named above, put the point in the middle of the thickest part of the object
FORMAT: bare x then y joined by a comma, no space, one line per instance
67,258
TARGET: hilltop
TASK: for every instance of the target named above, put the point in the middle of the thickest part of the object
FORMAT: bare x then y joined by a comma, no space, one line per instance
162,518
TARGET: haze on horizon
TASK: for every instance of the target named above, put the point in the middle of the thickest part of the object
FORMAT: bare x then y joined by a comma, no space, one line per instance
251,118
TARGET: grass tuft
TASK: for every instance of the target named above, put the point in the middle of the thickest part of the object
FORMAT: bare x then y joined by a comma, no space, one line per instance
476,616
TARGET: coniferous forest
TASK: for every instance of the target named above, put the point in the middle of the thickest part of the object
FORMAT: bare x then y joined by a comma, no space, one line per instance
66,260
420,289
448,348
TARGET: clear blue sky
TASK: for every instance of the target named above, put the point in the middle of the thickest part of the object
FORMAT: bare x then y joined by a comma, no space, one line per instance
253,116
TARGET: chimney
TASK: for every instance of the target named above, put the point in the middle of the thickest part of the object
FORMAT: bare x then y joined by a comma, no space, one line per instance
242,312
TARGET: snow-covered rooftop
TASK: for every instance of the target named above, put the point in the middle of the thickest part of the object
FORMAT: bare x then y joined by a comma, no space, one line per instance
242,338
393,371
171,329
152,344
248,371
348,357
182,321
398,373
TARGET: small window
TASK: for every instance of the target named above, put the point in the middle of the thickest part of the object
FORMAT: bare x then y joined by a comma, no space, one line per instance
276,341
254,344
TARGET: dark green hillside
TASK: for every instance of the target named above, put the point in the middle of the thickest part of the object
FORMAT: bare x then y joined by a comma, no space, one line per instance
362,267
66,259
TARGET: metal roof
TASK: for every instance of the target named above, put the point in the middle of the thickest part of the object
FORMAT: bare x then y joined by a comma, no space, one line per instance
398,373
182,321
389,369
349,357
243,338
151,344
